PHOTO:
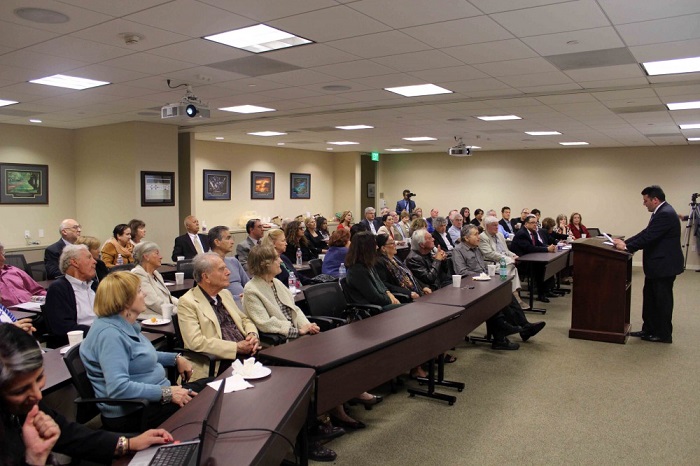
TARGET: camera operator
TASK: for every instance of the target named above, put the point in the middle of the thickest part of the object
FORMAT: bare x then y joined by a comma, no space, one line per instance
406,203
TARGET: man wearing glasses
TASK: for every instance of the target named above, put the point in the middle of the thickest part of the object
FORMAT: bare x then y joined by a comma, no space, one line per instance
70,231
526,241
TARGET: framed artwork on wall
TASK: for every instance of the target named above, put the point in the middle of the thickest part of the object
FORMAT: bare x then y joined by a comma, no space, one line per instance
262,185
24,184
217,185
157,189
370,190
300,186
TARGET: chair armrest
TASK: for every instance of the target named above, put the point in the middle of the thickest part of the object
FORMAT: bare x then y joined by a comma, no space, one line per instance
212,358
372,308
327,322
272,339
403,297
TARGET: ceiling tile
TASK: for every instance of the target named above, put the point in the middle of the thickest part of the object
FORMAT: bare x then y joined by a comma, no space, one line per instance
459,32
311,55
511,49
108,73
270,9
612,83
199,51
568,16
80,18
575,41
43,64
606,72
415,13
536,79
445,75
355,69
495,6
112,8
516,67
379,45
661,30
666,51
300,77
476,85
204,75
425,60
15,36
110,33
147,63
79,49
624,11
329,24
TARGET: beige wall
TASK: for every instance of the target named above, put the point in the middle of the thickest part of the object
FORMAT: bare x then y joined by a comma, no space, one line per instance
346,183
602,184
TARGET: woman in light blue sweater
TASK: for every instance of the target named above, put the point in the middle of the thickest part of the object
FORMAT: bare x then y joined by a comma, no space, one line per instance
121,363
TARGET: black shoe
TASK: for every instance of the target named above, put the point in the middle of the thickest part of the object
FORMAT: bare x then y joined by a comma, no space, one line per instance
325,431
318,452
655,339
532,330
638,334
544,299
552,294
505,344
354,425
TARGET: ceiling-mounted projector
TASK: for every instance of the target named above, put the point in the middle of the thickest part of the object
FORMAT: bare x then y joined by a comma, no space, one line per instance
189,107
460,149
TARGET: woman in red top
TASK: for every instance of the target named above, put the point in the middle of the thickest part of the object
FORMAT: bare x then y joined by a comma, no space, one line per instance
577,228
345,220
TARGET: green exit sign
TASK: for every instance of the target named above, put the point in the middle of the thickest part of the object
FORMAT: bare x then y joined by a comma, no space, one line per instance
375,156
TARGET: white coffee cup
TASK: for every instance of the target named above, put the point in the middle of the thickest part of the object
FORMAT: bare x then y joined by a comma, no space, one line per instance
179,278
456,281
492,269
167,311
321,256
583,235
75,337
180,258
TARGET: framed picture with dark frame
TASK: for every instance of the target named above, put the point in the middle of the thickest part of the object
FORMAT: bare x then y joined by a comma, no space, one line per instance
262,185
370,190
157,189
300,186
24,184
217,185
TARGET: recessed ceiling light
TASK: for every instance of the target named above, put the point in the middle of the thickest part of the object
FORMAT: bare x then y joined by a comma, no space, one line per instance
475,147
418,90
420,138
247,109
342,143
542,133
41,15
7,102
267,133
351,127
681,65
684,105
69,82
35,121
258,39
280,143
329,148
499,117
693,139
690,126
219,138
576,143
398,149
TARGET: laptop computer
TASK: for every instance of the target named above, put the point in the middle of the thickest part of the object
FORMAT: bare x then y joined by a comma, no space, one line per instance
191,453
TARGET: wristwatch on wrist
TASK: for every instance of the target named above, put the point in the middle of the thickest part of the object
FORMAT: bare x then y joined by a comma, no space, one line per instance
166,395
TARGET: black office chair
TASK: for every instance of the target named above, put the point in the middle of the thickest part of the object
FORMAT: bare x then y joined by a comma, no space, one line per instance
16,260
327,302
123,267
86,402
37,270
316,266
187,267
593,232
180,348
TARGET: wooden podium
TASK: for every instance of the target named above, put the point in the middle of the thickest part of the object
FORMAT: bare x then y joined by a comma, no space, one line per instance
602,292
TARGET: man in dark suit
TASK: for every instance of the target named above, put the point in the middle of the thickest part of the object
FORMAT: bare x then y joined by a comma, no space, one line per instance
406,203
442,239
662,261
70,231
504,222
255,234
191,243
517,223
526,241
370,222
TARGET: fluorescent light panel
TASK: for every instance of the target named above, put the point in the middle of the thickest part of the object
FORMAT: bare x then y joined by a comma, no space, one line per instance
247,109
475,147
398,149
420,138
690,126
418,90
35,121
499,117
542,133
576,143
684,105
351,127
3,103
258,39
219,138
267,133
342,143
69,82
693,139
681,65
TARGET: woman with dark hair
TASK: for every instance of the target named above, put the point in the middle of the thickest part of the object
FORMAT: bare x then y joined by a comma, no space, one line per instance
314,237
138,231
296,239
466,215
478,216
549,236
339,243
363,285
322,227
30,431
577,228
387,227
119,244
393,272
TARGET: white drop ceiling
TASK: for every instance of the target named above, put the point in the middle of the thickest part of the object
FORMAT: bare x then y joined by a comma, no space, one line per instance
497,56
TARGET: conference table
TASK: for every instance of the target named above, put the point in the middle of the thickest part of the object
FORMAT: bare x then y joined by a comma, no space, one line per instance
553,262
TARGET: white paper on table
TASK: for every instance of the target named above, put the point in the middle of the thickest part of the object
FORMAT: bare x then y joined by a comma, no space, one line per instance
234,383
33,307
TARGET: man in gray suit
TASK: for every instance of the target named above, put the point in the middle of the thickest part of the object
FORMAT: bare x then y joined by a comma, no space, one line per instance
255,233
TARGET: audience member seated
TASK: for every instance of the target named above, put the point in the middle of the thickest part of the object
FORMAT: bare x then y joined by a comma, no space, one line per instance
221,243
417,224
468,260
418,211
517,223
296,240
562,227
70,299
466,215
406,204
118,245
387,227
339,243
255,235
70,231
93,245
455,229
538,215
478,217
345,220
31,430
494,248
370,222
393,273
322,228
442,239
7,317
402,227
547,233
526,241
191,243
433,215
430,270
16,286
148,258
504,225
121,363
577,228
363,285
314,237
278,241
209,319
138,231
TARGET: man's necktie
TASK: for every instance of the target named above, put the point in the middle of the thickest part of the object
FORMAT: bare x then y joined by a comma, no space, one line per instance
197,246
532,235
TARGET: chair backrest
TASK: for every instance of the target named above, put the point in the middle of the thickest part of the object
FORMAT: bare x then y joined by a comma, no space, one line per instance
125,267
37,270
186,266
325,299
78,373
316,266
17,260
178,343
594,232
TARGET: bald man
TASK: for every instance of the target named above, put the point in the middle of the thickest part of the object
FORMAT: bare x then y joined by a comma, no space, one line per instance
191,243
70,232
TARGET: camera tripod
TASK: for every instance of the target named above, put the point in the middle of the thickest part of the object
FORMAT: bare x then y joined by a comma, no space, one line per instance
693,225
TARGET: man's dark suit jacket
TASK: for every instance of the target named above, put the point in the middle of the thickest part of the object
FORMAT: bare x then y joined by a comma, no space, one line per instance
661,242
515,221
51,256
439,241
184,246
401,206
506,225
522,243
377,224
61,309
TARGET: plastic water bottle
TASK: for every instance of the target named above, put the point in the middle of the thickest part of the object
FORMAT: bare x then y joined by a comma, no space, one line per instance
292,282
503,272
120,259
299,261
342,272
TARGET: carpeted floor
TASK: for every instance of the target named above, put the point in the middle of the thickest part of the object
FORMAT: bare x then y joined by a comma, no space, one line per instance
555,401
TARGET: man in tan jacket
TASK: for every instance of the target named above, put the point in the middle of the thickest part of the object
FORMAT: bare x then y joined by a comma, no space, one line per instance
210,321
